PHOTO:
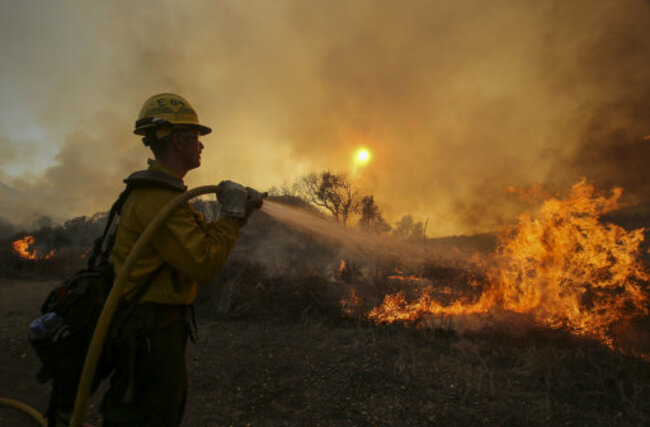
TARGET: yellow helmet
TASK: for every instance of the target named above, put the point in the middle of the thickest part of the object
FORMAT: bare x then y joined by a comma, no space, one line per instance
164,112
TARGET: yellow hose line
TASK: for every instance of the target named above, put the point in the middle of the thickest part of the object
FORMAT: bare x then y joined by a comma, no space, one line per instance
25,408
113,299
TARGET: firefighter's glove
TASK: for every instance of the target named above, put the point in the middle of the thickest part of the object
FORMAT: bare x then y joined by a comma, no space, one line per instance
232,198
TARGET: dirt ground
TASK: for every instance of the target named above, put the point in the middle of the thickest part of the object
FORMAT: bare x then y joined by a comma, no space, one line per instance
324,371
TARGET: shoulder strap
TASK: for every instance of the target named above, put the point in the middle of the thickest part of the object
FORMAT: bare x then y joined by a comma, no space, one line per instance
147,177
97,251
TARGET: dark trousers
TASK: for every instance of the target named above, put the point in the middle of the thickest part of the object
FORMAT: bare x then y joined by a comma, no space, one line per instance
149,385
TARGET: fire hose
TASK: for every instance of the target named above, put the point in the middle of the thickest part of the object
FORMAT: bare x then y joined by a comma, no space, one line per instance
105,317
25,408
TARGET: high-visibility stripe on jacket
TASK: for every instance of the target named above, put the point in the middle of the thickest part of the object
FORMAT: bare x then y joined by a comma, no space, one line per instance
191,248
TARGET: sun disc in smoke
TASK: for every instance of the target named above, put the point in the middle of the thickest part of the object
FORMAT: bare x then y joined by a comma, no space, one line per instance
362,156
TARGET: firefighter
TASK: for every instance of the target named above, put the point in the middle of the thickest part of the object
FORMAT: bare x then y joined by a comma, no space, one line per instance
149,333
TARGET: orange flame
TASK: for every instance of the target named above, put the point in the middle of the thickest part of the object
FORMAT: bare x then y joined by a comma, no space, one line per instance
561,267
25,249
350,304
342,267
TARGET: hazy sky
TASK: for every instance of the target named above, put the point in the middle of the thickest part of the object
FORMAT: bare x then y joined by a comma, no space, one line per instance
455,99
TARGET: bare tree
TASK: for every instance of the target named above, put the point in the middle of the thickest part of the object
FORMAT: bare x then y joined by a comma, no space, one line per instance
408,229
371,217
331,192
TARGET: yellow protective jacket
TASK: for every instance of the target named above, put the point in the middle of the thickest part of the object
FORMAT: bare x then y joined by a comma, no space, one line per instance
190,248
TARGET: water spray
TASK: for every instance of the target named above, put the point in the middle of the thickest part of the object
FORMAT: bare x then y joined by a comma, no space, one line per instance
373,245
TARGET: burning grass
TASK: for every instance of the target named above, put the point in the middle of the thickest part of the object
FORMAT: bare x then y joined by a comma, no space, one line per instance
25,248
58,265
562,268
50,251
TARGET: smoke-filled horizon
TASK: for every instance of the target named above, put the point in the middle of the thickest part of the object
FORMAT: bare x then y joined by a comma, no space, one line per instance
455,100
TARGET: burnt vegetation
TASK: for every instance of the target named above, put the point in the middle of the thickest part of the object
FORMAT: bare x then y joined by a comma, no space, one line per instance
284,335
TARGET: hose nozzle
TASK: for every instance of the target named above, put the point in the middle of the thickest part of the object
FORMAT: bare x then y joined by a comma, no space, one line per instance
255,198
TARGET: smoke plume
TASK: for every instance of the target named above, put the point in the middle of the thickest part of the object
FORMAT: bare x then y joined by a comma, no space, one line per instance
455,99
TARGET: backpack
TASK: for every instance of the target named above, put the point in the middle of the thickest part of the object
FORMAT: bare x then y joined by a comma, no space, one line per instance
62,335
